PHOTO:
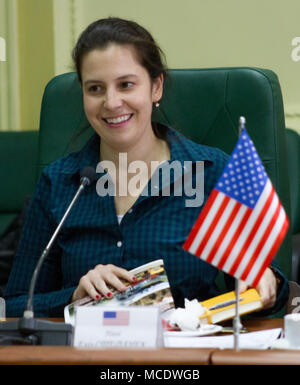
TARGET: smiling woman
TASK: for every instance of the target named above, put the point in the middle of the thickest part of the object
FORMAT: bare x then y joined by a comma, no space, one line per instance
121,71
119,33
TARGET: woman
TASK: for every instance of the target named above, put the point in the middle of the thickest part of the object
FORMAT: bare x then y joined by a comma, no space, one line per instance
121,72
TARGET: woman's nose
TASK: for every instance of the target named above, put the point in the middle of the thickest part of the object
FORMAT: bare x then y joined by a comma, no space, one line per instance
112,100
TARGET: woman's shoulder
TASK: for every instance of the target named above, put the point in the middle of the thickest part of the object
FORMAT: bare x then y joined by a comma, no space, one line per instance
63,165
187,149
75,161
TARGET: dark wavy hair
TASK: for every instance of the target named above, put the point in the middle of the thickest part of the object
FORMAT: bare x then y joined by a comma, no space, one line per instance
103,32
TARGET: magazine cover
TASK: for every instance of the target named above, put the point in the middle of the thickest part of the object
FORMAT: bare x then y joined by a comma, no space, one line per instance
151,288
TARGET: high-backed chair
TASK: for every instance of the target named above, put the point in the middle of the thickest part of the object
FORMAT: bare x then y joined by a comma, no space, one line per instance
204,104
293,147
18,158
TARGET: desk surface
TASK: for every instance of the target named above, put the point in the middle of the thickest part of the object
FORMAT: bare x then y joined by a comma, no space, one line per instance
164,356
255,357
66,355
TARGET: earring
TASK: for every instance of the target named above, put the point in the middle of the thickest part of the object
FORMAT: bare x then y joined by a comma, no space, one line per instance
156,104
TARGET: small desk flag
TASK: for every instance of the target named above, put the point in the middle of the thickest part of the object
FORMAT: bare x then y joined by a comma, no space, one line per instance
243,222
116,318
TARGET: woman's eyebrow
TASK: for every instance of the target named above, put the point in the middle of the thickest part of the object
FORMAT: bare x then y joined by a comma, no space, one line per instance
91,81
126,76
119,78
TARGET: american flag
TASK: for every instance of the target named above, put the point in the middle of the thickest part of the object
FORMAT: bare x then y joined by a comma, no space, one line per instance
243,222
116,318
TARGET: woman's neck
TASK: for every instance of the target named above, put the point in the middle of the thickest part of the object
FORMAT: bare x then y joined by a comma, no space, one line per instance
137,164
152,149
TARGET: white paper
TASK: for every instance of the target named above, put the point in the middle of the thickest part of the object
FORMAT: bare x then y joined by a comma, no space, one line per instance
141,328
254,340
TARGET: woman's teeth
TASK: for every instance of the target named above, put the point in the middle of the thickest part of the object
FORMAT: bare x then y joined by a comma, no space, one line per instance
119,119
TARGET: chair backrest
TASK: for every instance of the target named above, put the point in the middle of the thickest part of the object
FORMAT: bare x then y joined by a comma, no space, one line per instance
18,159
204,104
293,153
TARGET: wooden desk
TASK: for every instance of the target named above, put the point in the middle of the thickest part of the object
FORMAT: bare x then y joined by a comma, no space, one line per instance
257,357
67,355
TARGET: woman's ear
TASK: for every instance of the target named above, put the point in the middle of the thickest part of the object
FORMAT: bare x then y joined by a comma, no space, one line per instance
157,88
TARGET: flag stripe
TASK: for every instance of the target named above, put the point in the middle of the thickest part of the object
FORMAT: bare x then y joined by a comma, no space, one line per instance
258,234
252,233
213,224
272,252
276,237
272,238
207,222
262,242
193,234
245,231
228,252
228,223
217,230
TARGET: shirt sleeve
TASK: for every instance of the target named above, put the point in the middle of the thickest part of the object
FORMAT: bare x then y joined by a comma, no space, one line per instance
50,297
282,292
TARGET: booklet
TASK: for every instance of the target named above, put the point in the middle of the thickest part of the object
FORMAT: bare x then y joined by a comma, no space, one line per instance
151,288
222,307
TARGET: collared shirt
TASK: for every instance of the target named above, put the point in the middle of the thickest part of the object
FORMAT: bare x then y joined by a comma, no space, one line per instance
155,227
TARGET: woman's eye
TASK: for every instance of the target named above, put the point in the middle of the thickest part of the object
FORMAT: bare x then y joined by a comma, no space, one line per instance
95,88
126,85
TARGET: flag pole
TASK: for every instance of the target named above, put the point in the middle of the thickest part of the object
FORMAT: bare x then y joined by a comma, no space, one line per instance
237,321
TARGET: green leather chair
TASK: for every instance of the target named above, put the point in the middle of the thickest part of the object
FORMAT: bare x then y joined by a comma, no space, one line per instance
293,147
18,159
204,104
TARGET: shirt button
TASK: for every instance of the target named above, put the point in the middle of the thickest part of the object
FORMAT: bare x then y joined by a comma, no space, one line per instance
119,243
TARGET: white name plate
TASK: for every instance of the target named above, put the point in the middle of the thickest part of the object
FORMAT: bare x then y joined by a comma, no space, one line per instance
135,327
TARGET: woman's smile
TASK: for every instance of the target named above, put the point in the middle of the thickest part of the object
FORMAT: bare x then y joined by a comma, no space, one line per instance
118,121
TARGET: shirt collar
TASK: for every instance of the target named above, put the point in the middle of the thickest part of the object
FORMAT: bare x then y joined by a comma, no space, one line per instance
182,149
87,156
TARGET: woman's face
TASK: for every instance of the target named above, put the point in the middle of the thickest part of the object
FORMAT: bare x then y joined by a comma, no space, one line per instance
118,95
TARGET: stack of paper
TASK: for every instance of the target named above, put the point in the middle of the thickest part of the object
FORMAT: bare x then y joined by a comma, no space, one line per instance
254,340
